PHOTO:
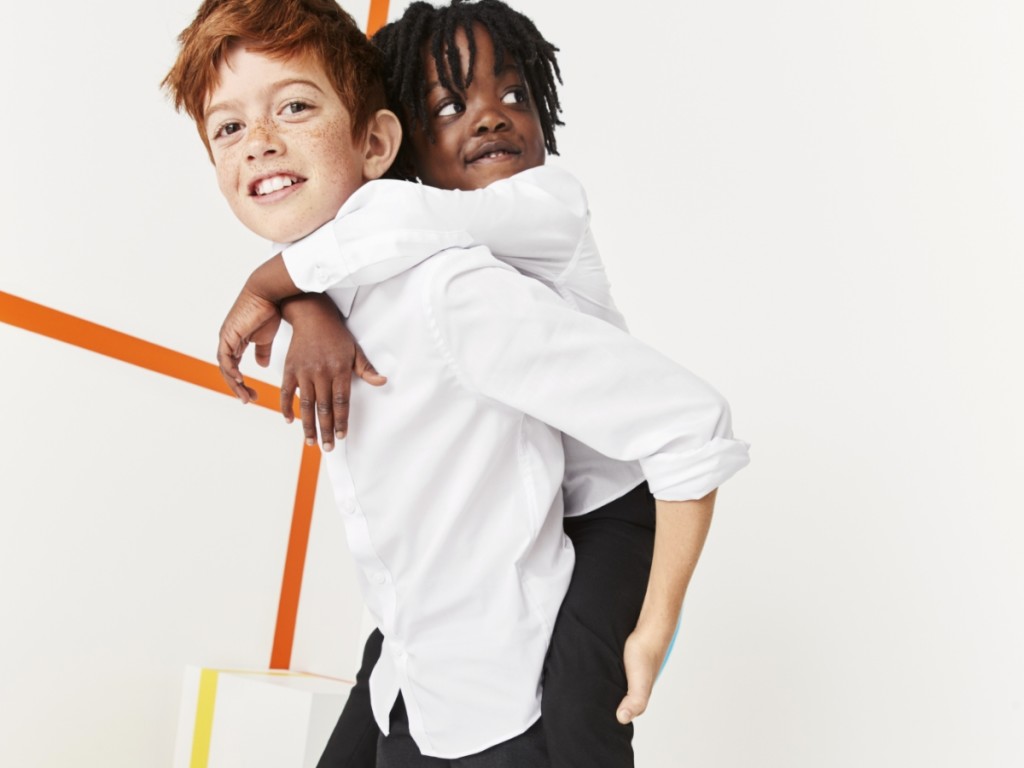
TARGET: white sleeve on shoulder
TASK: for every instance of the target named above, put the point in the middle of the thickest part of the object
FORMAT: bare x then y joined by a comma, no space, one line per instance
533,221
512,340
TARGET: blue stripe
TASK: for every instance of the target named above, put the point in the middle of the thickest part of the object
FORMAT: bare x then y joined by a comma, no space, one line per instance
671,645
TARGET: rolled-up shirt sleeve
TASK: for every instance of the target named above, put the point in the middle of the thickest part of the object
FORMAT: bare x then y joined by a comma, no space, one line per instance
512,340
533,221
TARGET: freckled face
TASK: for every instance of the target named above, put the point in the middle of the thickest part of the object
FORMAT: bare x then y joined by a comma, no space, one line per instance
282,144
490,132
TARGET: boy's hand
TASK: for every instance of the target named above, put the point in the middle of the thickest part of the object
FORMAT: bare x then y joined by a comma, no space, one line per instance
320,362
643,656
254,319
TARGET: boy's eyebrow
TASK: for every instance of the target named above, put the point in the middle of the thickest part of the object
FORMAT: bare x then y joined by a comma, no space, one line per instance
271,89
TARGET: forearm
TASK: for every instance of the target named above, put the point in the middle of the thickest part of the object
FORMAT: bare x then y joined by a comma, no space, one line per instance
680,531
271,281
533,221
679,534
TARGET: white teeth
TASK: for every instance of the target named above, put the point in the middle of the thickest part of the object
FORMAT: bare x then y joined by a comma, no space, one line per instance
274,183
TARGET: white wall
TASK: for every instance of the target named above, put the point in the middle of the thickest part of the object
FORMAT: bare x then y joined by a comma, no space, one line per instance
815,204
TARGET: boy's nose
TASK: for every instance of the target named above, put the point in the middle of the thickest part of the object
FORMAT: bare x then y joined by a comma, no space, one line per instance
263,140
491,119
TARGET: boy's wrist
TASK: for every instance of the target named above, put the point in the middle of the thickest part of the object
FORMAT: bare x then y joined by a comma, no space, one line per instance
271,281
658,627
307,305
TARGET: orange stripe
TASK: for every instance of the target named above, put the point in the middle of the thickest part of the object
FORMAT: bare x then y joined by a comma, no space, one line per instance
81,333
378,16
96,338
295,560
130,349
72,330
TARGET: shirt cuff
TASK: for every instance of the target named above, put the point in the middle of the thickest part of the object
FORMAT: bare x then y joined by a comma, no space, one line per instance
672,477
309,272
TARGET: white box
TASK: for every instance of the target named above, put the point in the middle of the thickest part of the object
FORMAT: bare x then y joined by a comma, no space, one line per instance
256,719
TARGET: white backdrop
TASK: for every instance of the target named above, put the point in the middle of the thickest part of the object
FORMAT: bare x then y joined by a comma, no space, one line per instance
815,204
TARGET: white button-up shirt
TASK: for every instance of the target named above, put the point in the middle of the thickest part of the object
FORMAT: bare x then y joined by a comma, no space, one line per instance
537,221
449,481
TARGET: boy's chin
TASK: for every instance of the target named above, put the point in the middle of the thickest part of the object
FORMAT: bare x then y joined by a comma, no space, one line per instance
284,232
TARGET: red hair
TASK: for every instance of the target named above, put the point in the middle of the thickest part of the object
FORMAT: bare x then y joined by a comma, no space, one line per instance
279,29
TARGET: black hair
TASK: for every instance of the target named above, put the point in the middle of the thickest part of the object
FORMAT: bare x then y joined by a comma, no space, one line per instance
427,27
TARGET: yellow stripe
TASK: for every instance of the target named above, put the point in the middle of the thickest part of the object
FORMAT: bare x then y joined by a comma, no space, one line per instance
283,673
204,718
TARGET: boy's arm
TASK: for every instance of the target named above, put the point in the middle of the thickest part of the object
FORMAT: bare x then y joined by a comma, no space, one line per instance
533,221
253,318
680,530
321,358
512,340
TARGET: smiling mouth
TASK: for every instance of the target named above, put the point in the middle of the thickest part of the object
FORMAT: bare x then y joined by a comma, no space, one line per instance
272,184
495,152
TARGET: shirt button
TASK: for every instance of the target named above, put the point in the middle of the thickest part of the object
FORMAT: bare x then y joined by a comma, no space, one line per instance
348,507
379,577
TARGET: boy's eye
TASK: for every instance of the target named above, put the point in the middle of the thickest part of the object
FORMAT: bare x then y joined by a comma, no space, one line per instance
294,107
227,129
515,95
449,108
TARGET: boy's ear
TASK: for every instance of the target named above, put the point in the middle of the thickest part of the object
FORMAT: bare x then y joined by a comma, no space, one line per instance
383,138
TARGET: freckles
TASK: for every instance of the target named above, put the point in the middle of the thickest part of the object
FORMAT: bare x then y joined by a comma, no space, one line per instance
336,136
329,129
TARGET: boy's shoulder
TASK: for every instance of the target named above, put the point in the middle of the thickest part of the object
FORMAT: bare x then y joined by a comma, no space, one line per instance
555,181
432,276
455,263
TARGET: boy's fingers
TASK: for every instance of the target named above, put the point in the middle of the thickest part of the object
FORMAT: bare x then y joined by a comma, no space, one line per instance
307,412
262,340
325,414
288,384
631,707
239,389
364,369
228,358
263,354
237,386
641,663
315,406
342,389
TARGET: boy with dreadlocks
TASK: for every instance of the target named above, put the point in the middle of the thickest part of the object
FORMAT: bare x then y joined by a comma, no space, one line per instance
474,85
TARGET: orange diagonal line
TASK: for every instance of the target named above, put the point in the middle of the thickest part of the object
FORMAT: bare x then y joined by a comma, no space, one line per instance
378,16
295,559
130,349
105,341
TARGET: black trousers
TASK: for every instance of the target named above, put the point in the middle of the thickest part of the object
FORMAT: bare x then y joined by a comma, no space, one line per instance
584,677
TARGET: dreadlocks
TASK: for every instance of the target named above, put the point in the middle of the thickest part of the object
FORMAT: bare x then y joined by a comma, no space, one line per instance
425,29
